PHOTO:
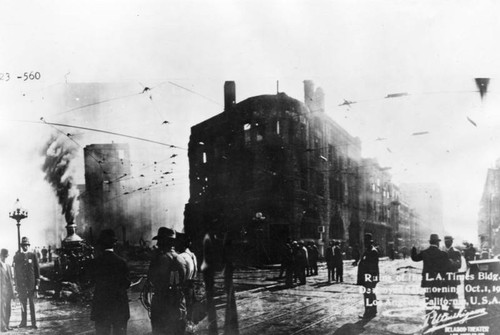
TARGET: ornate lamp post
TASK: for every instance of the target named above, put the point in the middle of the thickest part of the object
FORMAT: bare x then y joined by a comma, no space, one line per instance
18,214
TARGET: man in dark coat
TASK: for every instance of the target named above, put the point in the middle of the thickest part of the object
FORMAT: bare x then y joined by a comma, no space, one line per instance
329,261
368,277
436,264
167,275
6,290
27,274
338,263
110,275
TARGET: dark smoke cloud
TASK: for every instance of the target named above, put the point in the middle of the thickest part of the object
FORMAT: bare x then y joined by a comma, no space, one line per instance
59,152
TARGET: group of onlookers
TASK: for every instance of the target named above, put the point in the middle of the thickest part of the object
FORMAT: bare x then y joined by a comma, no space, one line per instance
170,281
299,260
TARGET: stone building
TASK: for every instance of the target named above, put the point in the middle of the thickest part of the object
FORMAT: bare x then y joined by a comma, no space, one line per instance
401,221
272,167
377,199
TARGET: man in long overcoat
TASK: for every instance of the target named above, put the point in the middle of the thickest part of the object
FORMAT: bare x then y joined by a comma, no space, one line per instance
368,276
436,265
6,290
27,275
110,275
167,275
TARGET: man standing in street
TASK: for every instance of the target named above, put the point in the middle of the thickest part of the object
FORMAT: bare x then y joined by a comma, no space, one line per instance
6,289
329,261
166,276
313,253
27,274
110,275
338,263
368,277
436,264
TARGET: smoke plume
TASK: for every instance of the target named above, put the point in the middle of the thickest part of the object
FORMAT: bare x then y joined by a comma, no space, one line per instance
59,152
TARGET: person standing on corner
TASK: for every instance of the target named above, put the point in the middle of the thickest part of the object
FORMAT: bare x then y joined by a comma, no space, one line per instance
6,289
27,276
110,275
368,277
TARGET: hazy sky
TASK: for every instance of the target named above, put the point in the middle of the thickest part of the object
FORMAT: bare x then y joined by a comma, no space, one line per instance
355,50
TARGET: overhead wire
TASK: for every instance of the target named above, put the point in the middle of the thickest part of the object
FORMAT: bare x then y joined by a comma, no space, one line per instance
104,132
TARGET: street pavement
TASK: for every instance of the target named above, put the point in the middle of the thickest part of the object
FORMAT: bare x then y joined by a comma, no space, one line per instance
322,308
265,306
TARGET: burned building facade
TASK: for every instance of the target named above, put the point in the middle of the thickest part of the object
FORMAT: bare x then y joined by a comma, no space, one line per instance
272,167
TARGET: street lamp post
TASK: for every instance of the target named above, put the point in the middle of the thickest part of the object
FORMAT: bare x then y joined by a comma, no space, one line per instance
18,214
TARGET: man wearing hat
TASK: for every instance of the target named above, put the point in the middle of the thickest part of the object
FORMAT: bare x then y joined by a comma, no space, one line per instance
110,275
166,275
436,264
6,290
368,277
27,274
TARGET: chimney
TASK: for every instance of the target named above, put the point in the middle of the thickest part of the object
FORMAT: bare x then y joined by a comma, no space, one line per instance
308,92
229,95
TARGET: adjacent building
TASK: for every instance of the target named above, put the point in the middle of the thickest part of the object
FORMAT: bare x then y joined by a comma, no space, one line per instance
272,167
489,210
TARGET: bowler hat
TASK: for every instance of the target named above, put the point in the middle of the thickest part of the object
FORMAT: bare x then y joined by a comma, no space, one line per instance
164,233
4,253
448,237
25,241
107,237
434,238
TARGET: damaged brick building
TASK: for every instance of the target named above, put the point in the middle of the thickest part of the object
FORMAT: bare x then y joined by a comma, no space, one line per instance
272,167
